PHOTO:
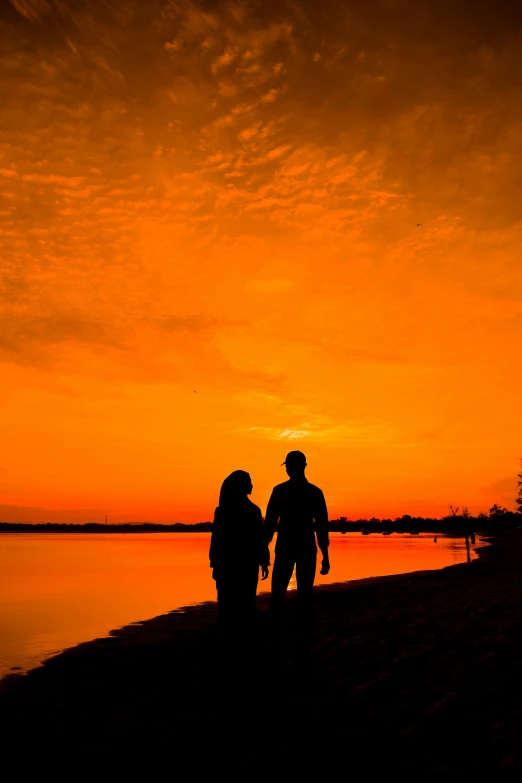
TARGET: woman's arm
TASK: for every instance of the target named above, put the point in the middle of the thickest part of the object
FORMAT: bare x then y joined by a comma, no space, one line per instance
215,543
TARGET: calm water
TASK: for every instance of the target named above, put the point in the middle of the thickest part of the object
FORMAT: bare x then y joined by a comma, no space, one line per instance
59,590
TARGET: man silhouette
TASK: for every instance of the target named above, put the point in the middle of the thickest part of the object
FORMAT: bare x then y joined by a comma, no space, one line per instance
300,509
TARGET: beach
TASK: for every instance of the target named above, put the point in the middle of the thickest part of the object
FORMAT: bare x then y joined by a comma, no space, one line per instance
416,673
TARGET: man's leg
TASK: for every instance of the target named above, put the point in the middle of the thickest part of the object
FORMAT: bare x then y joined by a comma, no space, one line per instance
281,575
305,576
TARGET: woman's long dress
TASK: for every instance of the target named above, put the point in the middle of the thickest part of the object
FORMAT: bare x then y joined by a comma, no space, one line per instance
237,549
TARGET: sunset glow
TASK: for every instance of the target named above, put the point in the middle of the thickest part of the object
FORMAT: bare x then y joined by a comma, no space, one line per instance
232,229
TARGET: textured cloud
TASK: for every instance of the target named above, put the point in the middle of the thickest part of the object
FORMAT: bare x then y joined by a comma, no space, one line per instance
26,334
33,10
327,432
316,201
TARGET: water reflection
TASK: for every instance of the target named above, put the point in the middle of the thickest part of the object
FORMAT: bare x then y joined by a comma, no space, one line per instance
57,590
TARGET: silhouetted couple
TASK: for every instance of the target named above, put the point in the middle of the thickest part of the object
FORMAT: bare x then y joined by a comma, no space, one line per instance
240,541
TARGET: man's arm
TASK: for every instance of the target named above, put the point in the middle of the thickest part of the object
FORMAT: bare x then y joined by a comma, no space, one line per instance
321,531
272,516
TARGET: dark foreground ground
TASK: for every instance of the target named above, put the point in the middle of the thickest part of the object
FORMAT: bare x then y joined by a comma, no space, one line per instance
419,673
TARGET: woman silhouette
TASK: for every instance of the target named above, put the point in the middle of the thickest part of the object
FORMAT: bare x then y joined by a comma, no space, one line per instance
237,549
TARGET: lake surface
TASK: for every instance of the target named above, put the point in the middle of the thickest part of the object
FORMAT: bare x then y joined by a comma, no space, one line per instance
57,590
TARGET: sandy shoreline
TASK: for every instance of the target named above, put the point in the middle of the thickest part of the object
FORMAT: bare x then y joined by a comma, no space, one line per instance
417,672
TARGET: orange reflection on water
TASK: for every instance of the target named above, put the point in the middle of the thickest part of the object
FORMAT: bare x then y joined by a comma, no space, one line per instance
59,590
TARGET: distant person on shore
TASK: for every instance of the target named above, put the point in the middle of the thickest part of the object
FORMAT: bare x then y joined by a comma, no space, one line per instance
297,510
238,549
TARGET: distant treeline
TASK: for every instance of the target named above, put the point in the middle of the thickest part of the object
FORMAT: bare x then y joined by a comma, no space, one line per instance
497,519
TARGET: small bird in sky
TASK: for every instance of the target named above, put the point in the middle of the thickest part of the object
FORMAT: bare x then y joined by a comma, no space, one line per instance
418,224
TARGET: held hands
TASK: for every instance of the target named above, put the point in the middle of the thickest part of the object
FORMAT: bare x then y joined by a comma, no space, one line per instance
325,566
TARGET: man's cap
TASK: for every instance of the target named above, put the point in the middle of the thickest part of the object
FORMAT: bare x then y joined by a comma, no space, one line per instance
295,456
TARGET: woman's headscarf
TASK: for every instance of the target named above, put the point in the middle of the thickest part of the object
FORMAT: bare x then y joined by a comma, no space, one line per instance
234,489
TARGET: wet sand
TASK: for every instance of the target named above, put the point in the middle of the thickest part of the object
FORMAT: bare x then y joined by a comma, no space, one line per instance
416,673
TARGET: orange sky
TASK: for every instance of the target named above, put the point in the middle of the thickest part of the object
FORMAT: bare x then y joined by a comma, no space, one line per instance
210,254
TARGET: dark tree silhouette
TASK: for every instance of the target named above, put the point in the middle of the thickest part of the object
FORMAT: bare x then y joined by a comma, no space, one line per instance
519,494
497,511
